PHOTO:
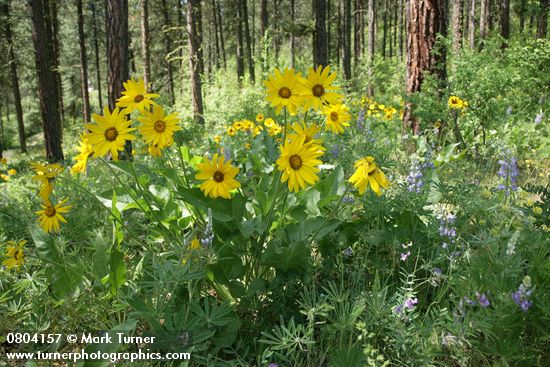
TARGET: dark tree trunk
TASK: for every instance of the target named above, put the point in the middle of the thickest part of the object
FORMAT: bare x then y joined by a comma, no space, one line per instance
472,25
118,54
14,78
244,9
264,19
53,22
96,51
390,36
48,88
2,137
291,41
542,18
222,42
522,15
320,56
83,63
427,19
359,31
346,55
168,47
240,42
145,41
384,29
505,21
401,28
216,38
457,25
194,33
370,47
483,13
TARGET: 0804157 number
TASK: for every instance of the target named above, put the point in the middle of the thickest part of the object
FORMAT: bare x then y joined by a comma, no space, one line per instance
27,338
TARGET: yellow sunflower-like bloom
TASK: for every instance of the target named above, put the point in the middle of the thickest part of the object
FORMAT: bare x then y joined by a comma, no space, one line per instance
455,103
110,133
15,256
337,117
238,125
283,90
299,161
154,150
45,176
217,139
309,132
367,172
86,150
219,177
317,88
158,129
50,216
135,97
12,172
4,177
269,123
260,117
231,131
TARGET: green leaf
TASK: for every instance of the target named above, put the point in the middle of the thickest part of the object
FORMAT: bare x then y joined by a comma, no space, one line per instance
292,257
117,269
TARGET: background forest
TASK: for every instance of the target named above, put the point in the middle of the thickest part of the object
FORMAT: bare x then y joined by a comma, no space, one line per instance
294,183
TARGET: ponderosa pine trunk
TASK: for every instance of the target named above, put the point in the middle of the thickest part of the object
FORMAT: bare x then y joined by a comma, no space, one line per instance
401,28
96,54
144,4
118,54
14,78
521,14
264,19
222,40
542,18
457,24
346,44
370,47
483,14
53,22
427,19
248,49
168,50
359,32
83,63
194,35
320,55
505,21
472,25
240,43
291,40
48,88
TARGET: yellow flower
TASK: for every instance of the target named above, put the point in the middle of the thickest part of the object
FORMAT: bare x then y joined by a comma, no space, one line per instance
283,90
455,102
50,216
14,254
45,175
110,133
219,177
12,172
317,88
257,131
367,172
154,150
238,125
4,177
217,139
158,129
230,131
248,125
247,146
299,161
81,159
135,97
269,122
337,117
194,245
260,117
309,132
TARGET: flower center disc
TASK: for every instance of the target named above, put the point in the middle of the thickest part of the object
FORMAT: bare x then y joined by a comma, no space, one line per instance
284,92
111,134
138,98
159,126
334,116
17,254
218,176
318,90
295,162
49,211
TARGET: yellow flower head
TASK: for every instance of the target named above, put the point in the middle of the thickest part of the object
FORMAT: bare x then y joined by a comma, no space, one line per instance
260,117
218,139
269,122
219,177
158,129
238,125
154,150
231,131
110,133
317,88
45,175
135,97
309,132
4,177
12,172
367,172
14,255
299,161
337,117
50,216
455,102
86,150
283,90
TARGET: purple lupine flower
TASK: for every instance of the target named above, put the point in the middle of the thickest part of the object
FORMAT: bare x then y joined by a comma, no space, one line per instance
447,230
509,111
509,172
482,299
348,252
227,153
398,309
410,303
438,272
538,118
361,120
414,179
273,365
521,297
348,199
335,151
469,301
404,255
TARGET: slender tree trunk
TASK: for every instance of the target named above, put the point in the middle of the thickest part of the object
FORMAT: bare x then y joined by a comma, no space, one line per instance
264,18
505,21
522,5
400,22
145,41
216,38
483,22
14,78
195,41
2,137
240,42
370,47
292,44
48,88
347,39
83,63
244,9
320,56
390,37
358,32
118,54
457,25
53,22
96,51
472,25
542,18
277,30
427,19
222,42
168,47
384,29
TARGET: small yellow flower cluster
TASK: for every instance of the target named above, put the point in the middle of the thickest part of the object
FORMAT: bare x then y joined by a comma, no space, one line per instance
245,126
457,103
112,129
378,110
9,172
50,215
15,257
